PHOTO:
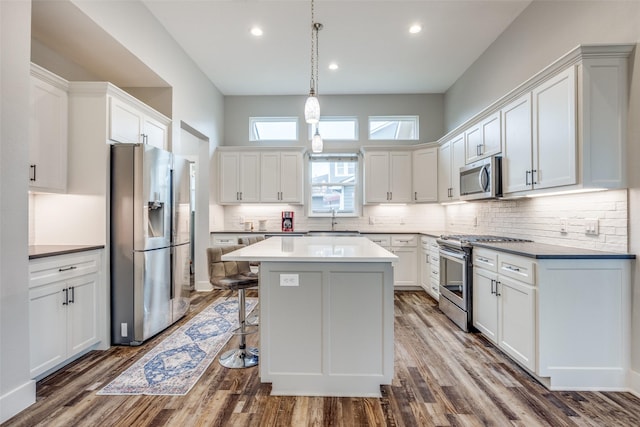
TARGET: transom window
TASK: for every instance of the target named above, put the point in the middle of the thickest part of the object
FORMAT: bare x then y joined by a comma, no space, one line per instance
336,128
273,128
334,184
393,127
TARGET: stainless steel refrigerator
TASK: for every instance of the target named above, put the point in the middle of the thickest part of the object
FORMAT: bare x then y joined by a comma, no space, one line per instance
150,248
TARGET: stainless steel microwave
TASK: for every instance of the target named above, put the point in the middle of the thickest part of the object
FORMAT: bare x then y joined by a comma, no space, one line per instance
482,179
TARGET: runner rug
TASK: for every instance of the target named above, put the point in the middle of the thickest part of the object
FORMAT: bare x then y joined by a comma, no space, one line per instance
175,364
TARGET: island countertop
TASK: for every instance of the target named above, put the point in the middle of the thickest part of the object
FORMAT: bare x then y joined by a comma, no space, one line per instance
312,249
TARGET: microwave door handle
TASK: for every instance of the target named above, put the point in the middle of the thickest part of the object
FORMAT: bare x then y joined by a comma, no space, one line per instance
483,178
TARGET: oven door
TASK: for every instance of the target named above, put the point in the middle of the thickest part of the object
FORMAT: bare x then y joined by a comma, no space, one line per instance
453,276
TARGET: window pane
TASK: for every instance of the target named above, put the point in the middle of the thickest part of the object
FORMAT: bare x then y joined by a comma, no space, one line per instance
327,198
337,128
393,127
274,128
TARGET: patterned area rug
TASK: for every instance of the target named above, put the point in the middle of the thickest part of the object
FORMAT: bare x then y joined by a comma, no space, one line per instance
174,365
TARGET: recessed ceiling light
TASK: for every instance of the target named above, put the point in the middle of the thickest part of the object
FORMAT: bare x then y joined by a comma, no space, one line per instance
415,28
333,66
256,31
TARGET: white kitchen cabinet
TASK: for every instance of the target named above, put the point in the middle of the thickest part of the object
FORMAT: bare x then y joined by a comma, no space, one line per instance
483,139
48,130
281,177
429,266
425,175
451,158
568,130
239,177
63,308
387,177
131,122
405,246
504,308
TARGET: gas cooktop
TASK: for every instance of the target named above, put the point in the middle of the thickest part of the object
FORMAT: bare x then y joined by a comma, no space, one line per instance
461,240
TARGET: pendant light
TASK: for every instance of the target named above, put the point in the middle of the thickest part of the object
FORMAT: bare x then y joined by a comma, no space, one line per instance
316,142
312,106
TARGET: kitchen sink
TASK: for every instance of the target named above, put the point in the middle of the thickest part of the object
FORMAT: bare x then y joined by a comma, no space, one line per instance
350,233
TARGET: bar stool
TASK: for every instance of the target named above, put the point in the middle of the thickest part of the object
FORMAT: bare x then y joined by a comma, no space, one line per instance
234,276
254,318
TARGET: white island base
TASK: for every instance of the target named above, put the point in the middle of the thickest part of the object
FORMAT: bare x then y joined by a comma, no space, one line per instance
326,315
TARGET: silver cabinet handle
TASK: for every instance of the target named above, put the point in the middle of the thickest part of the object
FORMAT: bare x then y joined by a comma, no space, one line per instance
66,296
510,268
415,197
73,293
526,178
533,182
73,267
33,176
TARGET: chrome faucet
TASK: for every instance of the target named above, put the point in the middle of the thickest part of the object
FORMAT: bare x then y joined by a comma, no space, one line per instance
333,219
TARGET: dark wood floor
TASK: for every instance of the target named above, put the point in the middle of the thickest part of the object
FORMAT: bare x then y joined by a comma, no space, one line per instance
443,377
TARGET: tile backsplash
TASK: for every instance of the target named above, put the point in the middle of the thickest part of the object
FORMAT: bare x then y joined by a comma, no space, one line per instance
538,219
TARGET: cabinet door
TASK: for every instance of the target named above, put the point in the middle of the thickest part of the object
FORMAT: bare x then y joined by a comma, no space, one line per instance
485,303
516,155
270,177
425,270
291,177
47,327
554,131
400,177
155,133
229,177
425,175
473,143
444,172
249,177
406,270
48,137
517,322
376,177
82,320
457,161
491,135
125,122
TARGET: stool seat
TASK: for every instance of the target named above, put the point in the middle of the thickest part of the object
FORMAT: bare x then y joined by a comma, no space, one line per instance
234,276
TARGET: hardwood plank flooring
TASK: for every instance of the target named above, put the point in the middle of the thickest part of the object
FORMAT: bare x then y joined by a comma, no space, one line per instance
443,377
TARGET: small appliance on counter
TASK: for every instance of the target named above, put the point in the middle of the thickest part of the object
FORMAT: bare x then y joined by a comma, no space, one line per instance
287,221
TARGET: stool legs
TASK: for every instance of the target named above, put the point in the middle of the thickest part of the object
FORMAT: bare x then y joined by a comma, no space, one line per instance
243,356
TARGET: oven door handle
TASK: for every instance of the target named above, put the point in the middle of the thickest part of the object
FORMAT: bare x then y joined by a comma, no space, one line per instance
453,254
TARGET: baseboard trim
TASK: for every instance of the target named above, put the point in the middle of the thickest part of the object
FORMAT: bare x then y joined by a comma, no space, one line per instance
634,383
17,400
202,286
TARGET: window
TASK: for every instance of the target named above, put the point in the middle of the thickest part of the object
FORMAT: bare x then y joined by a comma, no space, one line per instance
334,184
273,129
393,127
337,128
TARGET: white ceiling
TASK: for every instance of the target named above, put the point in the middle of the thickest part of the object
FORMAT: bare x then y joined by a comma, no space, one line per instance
369,39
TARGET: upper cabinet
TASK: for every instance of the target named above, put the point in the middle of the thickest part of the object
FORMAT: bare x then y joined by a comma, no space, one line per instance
483,139
281,177
133,123
387,177
239,177
265,176
450,159
425,175
48,130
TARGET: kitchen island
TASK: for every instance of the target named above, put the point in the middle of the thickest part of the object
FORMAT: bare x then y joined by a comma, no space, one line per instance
326,314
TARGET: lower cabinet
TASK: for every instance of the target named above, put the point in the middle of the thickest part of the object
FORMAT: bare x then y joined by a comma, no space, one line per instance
504,308
63,311
405,247
429,266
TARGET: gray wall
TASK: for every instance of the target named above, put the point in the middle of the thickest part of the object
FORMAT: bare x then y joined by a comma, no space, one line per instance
540,35
238,109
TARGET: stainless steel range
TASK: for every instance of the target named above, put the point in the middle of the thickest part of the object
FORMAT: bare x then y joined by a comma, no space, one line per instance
456,275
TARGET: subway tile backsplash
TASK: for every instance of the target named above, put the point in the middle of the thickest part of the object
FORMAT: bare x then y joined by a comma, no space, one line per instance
538,219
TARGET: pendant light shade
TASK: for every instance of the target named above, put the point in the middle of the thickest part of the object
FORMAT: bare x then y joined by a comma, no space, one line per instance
316,142
312,109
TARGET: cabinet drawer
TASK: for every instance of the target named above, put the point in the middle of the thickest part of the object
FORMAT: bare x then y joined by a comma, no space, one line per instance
383,240
435,274
519,268
56,268
485,259
224,240
404,240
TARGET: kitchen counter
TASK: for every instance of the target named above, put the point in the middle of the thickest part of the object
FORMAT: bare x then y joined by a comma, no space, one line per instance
546,251
313,249
326,315
41,251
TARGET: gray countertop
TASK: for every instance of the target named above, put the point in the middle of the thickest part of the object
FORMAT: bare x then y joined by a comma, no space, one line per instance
41,251
546,251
